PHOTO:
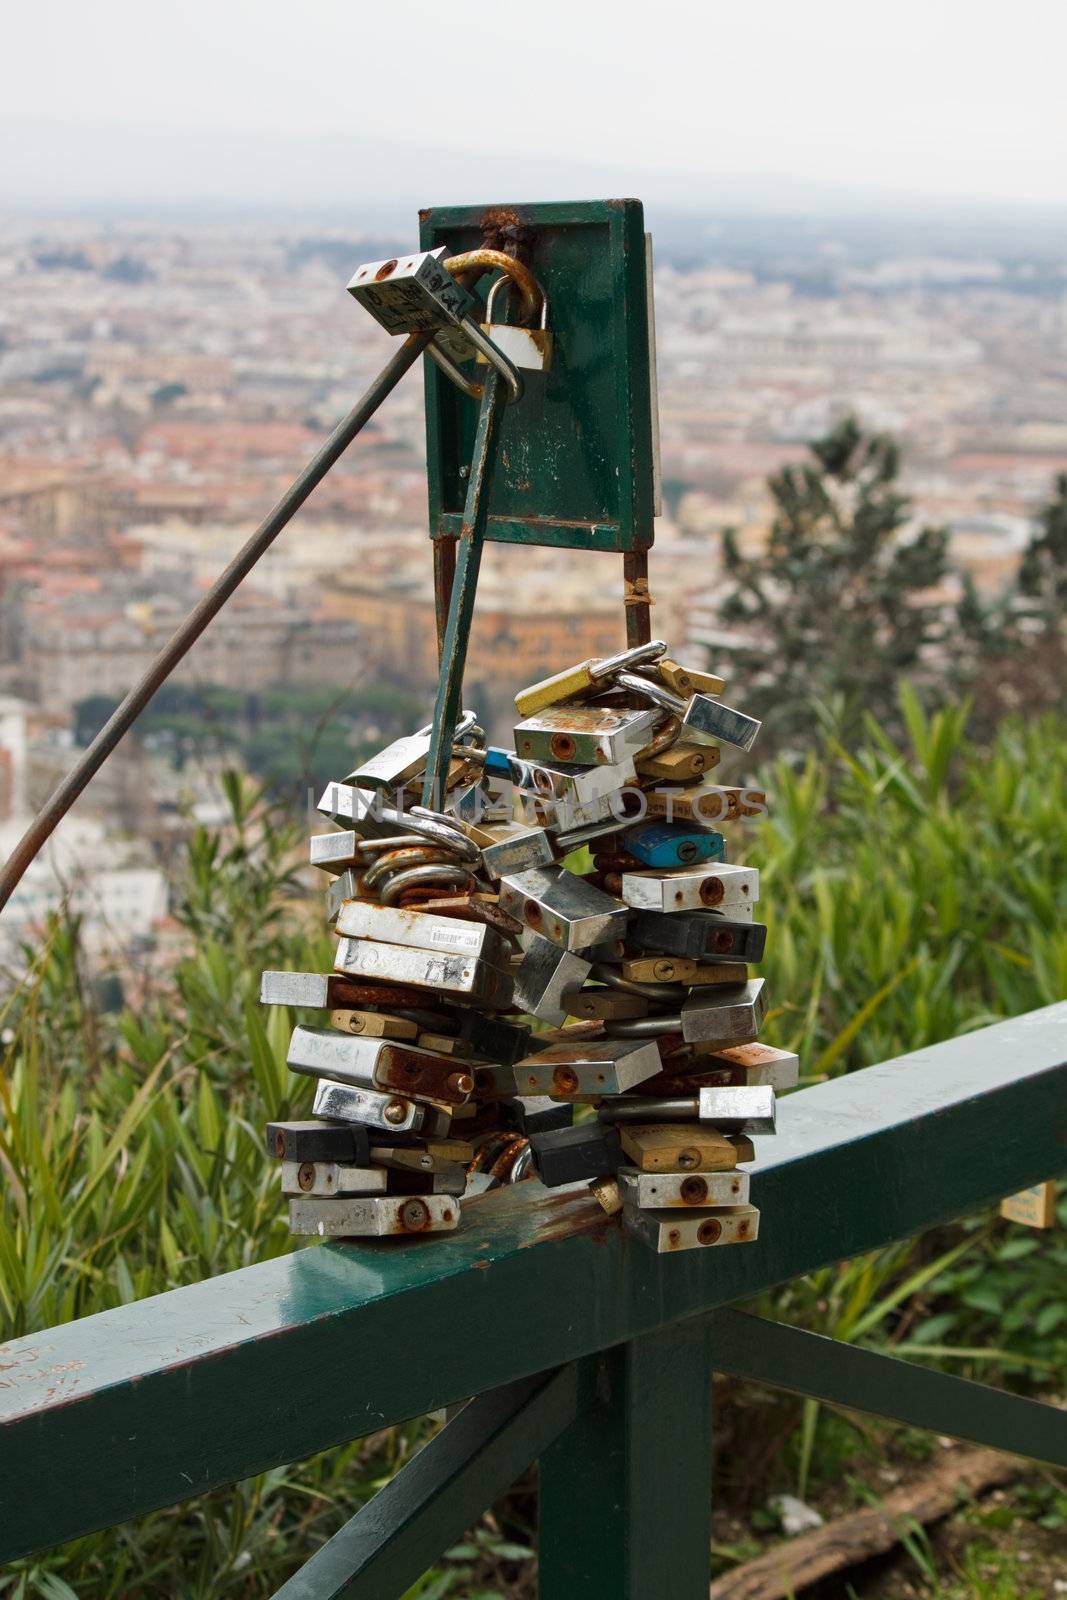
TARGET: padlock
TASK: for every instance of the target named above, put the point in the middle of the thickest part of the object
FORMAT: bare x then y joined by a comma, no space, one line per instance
678,764
413,294
425,969
705,719
607,1194
680,969
330,1178
759,1063
686,680
746,1109
422,930
544,975
587,1070
374,1216
320,991
335,852
491,1039
583,678
730,890
535,1113
530,349
585,735
669,1231
345,803
675,1147
604,1005
652,1190
378,1064
319,1141
374,1025
563,1155
578,786
344,888
562,907
700,935
388,1113
666,844
477,907
701,805
512,846
725,1014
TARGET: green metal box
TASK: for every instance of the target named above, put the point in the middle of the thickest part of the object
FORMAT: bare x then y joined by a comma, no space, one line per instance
576,465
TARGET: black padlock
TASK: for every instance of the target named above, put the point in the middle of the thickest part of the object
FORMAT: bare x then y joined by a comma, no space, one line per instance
348,1142
593,1150
700,935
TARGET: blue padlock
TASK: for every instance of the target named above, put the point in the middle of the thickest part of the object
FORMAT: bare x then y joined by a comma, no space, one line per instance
498,762
672,844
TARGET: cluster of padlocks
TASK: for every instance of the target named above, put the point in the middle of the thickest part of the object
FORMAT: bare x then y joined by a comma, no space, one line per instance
455,924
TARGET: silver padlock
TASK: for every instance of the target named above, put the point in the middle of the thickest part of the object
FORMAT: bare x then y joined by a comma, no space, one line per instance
412,294
527,348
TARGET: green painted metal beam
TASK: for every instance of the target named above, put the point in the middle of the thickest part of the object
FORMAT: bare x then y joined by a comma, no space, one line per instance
399,1534
885,1386
204,1385
447,706
626,1490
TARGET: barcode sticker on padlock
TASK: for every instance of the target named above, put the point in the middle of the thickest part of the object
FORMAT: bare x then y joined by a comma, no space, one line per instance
456,938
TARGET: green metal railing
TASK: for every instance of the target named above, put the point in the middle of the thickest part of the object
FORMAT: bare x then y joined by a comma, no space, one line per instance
586,1352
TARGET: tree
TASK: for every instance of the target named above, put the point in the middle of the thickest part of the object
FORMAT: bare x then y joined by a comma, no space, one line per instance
1042,582
840,605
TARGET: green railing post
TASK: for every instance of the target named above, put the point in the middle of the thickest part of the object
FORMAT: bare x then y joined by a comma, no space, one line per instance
625,1498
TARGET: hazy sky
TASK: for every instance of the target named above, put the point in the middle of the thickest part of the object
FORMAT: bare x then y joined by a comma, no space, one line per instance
937,97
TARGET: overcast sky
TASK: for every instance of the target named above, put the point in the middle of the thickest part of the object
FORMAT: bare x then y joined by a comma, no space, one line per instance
962,98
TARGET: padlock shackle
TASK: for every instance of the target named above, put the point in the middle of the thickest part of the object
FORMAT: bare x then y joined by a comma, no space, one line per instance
523,279
493,287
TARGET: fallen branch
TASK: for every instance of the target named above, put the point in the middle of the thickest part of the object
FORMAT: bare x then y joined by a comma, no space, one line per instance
848,1540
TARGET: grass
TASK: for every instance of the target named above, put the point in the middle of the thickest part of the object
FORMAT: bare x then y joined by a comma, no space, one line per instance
913,893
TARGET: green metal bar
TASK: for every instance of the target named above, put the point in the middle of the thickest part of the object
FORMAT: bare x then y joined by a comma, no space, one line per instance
398,1534
625,1492
195,1388
463,589
884,1386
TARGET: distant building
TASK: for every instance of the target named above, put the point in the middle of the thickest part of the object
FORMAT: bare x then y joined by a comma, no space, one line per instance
108,882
